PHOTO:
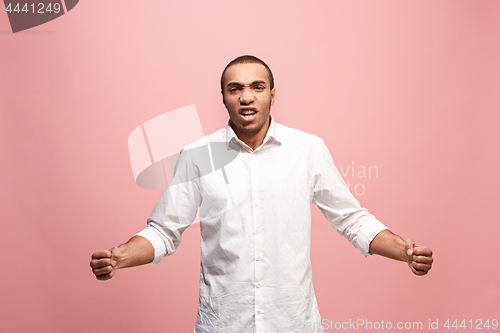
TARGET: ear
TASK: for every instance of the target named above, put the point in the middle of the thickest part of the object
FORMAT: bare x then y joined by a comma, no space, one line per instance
223,100
273,95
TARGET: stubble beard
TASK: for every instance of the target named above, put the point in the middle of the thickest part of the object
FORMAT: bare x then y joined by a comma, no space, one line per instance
249,130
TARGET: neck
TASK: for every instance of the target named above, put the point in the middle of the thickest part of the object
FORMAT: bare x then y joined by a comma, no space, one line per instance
253,140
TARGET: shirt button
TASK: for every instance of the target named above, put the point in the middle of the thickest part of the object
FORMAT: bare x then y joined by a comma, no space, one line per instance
257,231
258,285
259,312
258,258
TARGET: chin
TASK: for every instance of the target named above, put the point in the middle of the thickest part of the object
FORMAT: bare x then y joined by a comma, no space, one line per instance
248,130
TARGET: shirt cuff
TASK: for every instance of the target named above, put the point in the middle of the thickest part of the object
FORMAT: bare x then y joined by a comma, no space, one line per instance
151,234
371,228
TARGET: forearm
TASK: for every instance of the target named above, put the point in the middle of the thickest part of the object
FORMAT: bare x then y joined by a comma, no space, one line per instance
388,245
137,251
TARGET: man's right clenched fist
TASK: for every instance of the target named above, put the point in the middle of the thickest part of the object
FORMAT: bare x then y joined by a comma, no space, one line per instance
105,262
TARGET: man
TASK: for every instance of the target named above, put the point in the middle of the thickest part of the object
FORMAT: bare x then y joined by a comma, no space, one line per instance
255,217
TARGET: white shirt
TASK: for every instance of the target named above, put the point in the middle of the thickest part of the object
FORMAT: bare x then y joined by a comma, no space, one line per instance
255,222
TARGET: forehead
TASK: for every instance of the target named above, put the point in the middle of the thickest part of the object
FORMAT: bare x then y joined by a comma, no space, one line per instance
246,73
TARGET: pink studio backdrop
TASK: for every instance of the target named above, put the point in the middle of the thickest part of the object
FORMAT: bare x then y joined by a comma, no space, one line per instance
408,88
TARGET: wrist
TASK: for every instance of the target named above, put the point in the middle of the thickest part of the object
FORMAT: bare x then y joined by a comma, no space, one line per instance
123,251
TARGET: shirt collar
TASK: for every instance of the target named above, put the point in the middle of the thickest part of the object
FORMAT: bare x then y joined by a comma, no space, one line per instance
272,135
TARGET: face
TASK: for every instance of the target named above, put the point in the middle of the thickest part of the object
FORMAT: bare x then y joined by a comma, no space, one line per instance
248,99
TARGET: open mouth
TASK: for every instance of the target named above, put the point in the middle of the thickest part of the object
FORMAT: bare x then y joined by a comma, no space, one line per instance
248,114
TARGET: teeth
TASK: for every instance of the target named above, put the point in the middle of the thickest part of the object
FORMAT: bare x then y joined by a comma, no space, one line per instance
248,112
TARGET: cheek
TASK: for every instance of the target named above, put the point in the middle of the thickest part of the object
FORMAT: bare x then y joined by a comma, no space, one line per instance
233,112
230,102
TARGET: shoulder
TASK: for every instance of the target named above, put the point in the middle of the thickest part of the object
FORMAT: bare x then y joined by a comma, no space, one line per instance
194,159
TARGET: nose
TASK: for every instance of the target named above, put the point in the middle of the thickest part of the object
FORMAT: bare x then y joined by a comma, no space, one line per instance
246,96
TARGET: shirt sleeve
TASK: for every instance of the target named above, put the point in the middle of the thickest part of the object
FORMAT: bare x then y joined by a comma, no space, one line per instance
175,211
338,205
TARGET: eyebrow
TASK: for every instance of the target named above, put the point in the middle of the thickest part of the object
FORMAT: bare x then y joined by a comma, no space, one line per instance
231,84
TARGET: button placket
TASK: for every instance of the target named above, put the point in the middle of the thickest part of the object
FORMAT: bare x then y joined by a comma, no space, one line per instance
258,242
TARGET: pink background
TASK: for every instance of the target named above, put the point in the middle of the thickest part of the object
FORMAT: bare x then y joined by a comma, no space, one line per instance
411,87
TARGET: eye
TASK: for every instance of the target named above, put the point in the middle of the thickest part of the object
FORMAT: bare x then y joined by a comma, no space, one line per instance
234,89
259,88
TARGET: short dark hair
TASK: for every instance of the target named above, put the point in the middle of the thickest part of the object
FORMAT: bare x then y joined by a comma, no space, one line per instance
247,59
